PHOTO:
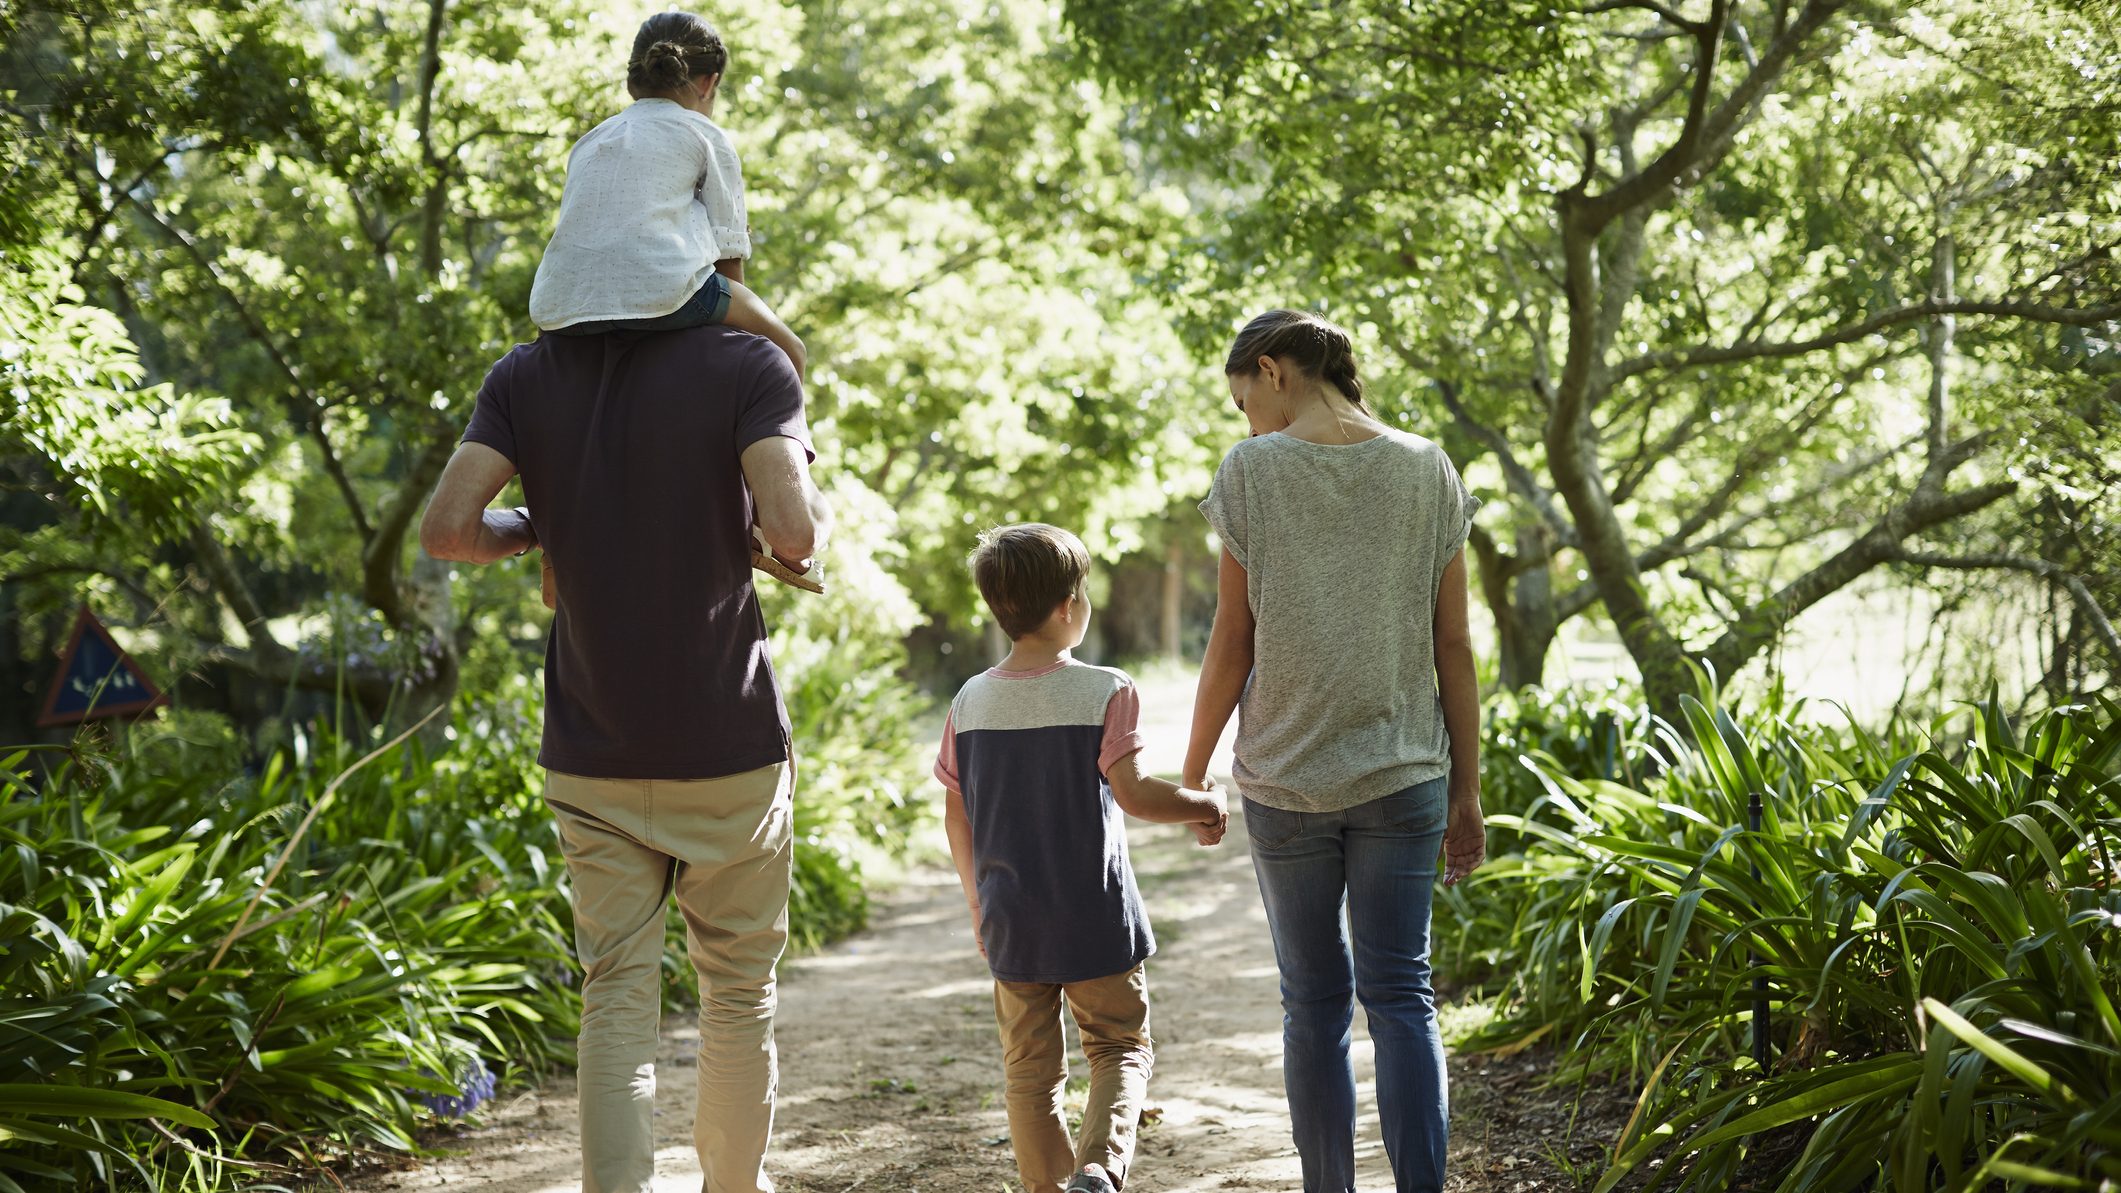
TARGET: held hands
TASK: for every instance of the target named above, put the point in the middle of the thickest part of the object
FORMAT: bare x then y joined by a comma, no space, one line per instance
1210,831
1465,837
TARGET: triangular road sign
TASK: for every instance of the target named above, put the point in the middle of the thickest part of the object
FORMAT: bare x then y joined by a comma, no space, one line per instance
96,679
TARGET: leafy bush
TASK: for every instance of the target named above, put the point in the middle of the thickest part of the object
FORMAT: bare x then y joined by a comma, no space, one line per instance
187,1002
842,658
403,946
1938,920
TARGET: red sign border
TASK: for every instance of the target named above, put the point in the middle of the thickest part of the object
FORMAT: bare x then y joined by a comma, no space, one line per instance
84,622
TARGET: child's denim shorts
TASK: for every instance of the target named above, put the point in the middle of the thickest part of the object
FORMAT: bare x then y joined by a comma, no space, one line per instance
708,305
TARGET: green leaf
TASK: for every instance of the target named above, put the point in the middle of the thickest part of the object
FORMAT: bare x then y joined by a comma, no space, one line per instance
68,1101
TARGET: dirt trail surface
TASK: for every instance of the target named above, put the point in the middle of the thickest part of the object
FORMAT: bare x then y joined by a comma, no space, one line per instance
891,1074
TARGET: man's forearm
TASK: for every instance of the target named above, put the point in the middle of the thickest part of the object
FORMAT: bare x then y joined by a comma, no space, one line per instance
500,534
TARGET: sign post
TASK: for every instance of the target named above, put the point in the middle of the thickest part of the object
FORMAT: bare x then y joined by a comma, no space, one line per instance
97,679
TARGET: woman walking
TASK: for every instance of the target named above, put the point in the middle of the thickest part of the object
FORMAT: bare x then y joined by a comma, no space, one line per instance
1340,631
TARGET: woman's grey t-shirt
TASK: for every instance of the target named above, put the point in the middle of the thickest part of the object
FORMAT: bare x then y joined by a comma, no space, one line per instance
1343,546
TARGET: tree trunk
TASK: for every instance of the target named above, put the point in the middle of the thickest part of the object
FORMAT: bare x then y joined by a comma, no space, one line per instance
1174,597
1527,623
1572,457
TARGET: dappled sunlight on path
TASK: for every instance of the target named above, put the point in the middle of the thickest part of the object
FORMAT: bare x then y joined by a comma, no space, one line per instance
891,1070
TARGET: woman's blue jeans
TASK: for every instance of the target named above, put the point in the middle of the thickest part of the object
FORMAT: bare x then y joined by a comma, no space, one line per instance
1376,862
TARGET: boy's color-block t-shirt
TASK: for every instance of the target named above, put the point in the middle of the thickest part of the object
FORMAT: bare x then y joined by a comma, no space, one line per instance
1027,752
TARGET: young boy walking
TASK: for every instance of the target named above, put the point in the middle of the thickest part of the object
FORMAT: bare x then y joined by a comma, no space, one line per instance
1041,754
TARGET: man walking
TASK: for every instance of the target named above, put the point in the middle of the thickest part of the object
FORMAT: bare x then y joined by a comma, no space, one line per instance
646,459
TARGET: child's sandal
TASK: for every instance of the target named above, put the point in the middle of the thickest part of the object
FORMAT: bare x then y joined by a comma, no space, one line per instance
765,561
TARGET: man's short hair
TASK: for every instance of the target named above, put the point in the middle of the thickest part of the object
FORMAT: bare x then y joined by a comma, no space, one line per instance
1026,571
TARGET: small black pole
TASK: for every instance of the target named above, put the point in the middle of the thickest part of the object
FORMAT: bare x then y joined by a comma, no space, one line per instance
1760,991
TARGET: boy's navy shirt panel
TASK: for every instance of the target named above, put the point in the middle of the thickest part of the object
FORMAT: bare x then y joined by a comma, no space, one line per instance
1058,899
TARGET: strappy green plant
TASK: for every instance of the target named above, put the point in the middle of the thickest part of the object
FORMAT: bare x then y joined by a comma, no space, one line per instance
1937,914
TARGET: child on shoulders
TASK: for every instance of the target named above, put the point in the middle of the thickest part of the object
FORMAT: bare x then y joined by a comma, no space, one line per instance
652,232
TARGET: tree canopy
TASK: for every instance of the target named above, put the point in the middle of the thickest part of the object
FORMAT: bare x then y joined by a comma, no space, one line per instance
1744,298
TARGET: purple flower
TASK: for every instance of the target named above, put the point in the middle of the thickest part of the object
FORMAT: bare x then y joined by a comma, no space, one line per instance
475,1086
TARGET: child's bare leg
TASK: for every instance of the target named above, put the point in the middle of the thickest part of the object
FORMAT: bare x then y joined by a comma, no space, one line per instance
749,312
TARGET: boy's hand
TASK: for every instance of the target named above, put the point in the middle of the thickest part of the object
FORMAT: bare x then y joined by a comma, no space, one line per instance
546,587
1210,831
978,940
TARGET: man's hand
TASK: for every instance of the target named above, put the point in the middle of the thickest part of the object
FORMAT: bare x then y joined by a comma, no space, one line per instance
1465,838
977,937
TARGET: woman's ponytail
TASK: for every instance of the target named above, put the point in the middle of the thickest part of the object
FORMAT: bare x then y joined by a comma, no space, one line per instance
1316,345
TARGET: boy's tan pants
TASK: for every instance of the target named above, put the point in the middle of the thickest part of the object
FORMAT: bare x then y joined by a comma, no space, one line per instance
723,846
1113,1014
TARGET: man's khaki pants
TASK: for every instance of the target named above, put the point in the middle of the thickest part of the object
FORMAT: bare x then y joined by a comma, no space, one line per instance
1113,1015
723,847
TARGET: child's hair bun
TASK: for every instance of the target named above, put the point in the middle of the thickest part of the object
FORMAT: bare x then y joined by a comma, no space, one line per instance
671,50
662,68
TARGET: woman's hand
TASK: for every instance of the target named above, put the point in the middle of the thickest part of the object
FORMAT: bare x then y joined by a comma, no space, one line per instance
1465,838
1210,831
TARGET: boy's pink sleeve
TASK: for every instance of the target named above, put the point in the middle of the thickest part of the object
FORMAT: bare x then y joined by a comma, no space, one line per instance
946,758
1123,735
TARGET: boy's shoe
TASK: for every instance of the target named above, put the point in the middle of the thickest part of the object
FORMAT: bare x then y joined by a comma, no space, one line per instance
766,561
1086,1181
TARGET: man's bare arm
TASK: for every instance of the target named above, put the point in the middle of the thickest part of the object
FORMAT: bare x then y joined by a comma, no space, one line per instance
458,526
792,513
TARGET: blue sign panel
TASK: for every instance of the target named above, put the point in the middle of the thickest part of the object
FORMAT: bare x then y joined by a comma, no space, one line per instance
96,679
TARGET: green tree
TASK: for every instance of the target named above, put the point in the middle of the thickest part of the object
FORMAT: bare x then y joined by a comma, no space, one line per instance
330,218
1743,300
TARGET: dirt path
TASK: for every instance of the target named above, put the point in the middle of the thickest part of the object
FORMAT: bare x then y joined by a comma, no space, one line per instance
891,1073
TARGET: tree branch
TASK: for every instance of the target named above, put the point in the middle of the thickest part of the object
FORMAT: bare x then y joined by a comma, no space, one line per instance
1636,189
1880,544
1906,313
309,419
1520,478
143,602
437,175
221,574
1669,16
381,558
1707,135
2043,568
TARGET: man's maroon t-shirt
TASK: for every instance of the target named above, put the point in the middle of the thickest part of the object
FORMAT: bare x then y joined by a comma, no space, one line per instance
628,445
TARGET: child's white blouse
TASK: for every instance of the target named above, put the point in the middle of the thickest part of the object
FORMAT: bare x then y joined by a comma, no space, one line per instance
654,197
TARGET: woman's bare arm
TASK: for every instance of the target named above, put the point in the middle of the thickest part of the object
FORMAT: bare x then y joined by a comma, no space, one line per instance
1465,836
1223,671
